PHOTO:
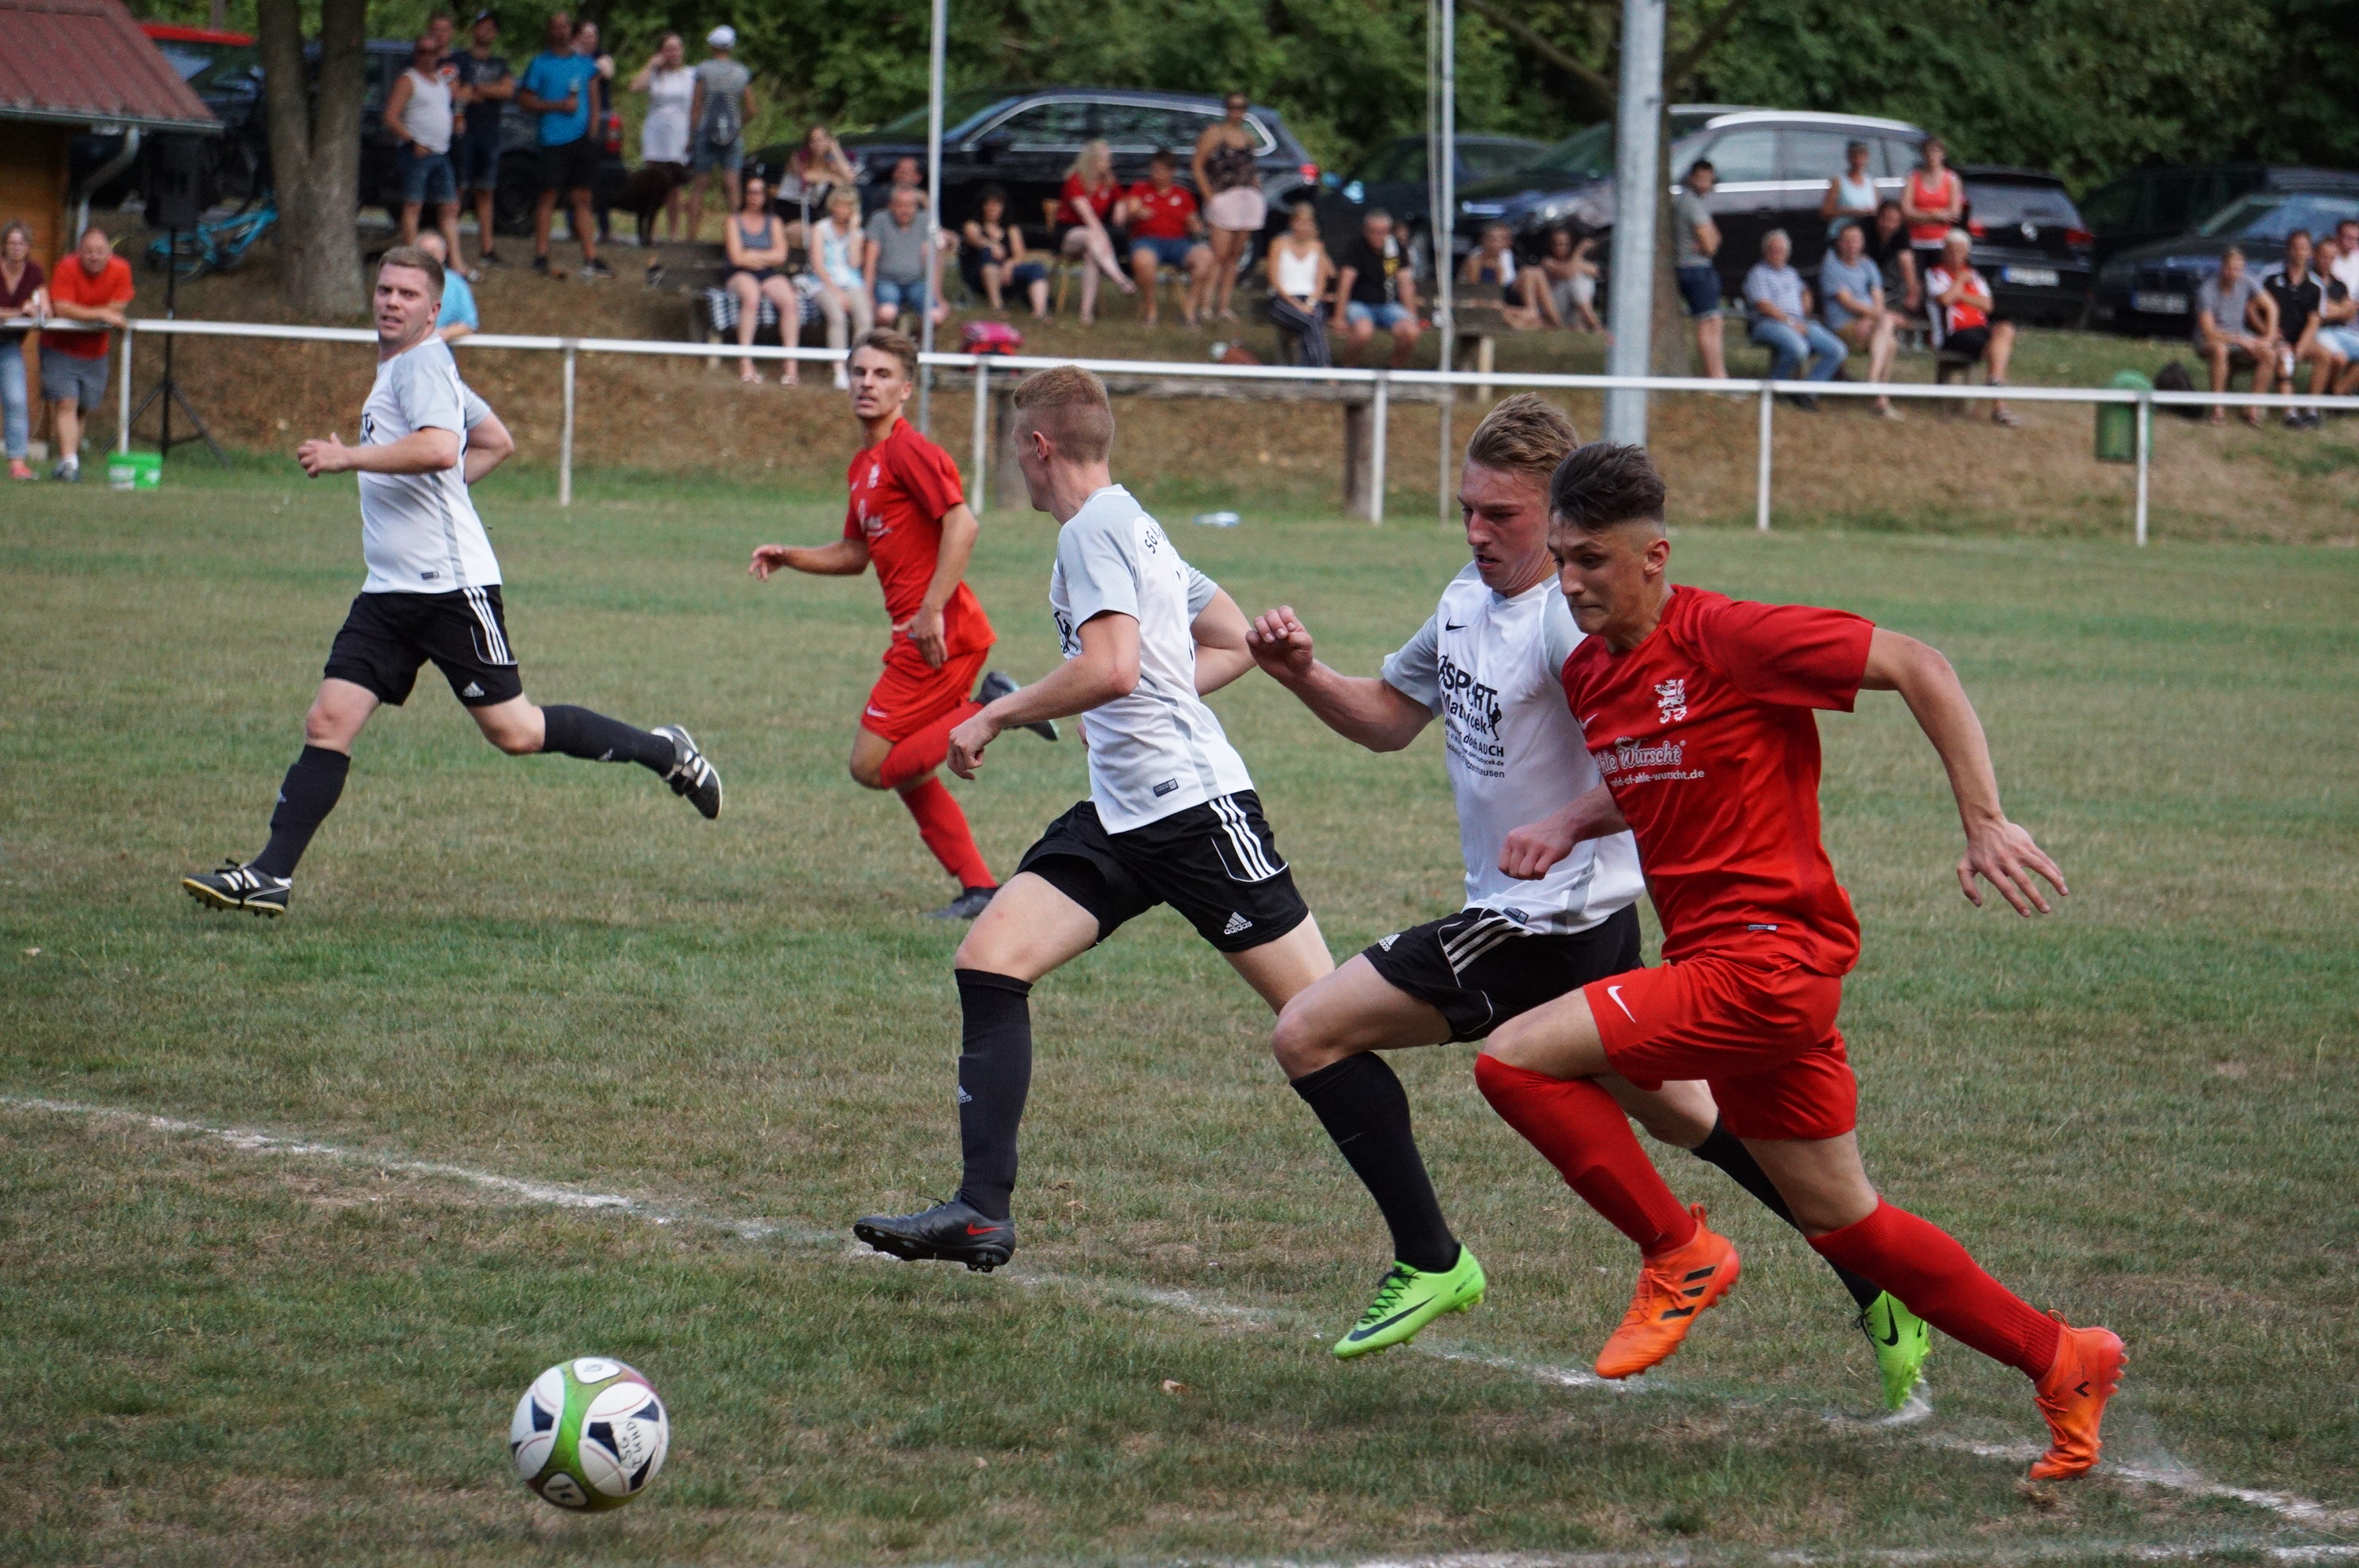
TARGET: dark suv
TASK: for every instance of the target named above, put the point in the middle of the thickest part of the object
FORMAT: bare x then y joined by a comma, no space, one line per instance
2162,201
2030,244
1025,139
1773,166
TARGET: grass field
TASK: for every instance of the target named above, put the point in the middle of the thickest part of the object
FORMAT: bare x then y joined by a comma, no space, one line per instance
223,1350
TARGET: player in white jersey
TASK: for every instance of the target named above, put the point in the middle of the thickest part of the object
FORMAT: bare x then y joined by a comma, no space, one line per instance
1489,664
1171,817
433,592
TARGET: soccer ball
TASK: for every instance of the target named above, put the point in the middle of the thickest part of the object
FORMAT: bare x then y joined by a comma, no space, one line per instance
589,1434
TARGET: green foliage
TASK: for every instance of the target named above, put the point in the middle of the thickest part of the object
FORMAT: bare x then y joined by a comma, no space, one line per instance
2086,87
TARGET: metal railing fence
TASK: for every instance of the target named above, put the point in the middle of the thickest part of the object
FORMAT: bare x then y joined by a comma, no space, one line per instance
1379,384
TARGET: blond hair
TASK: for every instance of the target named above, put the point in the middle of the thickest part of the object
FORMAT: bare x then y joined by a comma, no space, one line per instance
416,260
1092,156
1524,433
1068,406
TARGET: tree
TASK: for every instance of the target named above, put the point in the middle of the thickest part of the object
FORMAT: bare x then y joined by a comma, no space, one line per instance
315,151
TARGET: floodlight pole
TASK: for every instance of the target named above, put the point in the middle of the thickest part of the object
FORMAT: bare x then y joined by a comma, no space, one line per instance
1630,305
1443,186
933,273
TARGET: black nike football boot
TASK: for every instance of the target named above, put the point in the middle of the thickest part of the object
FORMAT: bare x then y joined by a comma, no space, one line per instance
955,1232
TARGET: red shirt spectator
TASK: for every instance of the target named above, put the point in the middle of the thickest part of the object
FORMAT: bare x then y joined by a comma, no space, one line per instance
1100,202
1161,214
72,284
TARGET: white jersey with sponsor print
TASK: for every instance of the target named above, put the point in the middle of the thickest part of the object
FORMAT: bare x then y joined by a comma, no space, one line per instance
1491,669
1160,750
419,532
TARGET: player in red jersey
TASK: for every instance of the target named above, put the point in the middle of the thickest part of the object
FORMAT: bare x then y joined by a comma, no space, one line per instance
1698,711
908,515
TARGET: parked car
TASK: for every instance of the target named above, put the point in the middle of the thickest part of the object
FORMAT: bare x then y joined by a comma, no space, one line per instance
1394,178
517,188
2030,244
1773,166
1026,138
225,71
2151,289
2162,201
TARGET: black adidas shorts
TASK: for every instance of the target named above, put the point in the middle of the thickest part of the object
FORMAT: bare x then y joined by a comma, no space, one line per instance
387,636
1478,969
1215,863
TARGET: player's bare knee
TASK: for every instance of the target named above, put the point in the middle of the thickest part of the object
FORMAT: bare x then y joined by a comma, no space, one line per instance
1299,1043
868,776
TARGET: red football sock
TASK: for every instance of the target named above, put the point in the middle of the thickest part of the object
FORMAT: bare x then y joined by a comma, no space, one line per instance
943,827
1921,1263
924,751
1585,1136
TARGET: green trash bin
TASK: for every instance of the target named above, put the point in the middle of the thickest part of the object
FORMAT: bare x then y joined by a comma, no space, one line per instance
2117,422
134,471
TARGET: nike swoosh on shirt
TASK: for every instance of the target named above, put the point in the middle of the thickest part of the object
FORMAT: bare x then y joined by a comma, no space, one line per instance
1447,626
1616,993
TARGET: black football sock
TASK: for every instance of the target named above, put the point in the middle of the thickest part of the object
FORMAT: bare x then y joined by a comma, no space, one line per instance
1365,1109
306,795
994,1074
594,738
1728,1151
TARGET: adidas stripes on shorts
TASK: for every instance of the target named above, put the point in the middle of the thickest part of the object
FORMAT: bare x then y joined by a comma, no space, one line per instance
387,636
1216,863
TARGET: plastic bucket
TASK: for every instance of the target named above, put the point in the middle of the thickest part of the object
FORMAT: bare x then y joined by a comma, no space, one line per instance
2117,422
134,471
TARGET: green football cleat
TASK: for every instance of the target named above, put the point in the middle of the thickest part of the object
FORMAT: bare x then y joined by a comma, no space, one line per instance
1408,1300
1902,1343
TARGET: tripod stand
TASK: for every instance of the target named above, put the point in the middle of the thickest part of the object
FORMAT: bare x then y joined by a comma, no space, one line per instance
168,391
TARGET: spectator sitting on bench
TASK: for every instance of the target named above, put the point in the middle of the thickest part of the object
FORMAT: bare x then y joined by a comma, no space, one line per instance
1166,230
1085,210
901,266
1561,287
1376,289
755,242
1777,303
1850,300
1491,274
1888,247
1958,305
2235,329
2338,320
1300,273
2299,299
839,255
993,255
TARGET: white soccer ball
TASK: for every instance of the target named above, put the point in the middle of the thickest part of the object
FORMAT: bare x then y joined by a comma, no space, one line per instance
589,1434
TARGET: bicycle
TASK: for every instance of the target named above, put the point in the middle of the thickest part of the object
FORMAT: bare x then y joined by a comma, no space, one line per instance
216,246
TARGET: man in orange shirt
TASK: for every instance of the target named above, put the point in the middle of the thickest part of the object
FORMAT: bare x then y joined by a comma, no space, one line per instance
94,284
908,515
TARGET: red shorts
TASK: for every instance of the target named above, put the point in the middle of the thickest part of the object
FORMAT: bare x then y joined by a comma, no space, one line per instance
1757,1027
911,694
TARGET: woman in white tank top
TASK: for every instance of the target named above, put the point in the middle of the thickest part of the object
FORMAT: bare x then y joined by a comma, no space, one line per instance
670,86
1300,275
1850,195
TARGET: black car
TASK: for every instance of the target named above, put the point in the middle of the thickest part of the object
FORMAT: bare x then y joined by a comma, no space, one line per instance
2162,201
1394,178
1773,166
2151,289
1026,139
225,71
2030,244
516,187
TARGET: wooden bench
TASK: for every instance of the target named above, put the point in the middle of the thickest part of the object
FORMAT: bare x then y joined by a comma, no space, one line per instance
714,312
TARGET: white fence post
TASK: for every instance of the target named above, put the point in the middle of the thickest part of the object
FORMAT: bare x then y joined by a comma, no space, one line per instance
1378,421
123,393
2145,458
565,442
979,491
1761,474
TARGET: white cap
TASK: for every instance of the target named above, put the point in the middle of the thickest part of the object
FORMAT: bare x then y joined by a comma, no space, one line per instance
723,36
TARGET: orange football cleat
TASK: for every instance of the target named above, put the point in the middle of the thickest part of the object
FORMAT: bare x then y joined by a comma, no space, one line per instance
1674,1289
2087,1372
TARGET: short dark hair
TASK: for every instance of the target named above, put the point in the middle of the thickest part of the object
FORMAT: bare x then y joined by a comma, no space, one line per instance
1703,163
991,193
885,340
1163,155
412,257
1373,213
1851,147
1603,485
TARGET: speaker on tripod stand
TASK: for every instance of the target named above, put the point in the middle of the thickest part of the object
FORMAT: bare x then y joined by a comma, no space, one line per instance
180,188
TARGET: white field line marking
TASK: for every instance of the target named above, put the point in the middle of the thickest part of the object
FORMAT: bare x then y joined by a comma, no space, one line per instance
2293,1509
1881,1557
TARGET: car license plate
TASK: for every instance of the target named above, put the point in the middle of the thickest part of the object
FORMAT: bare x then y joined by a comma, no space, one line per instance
2159,304
2031,276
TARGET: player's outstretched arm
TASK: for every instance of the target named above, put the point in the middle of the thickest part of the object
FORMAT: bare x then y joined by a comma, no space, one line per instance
1532,848
1364,709
1219,631
488,446
845,557
422,451
1106,668
1996,850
